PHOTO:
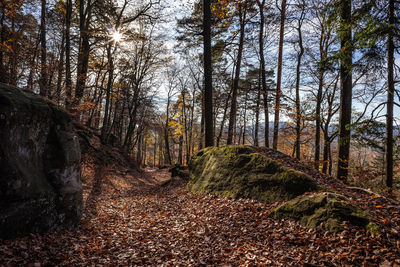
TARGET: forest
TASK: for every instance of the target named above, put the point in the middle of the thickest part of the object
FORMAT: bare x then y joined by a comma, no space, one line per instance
174,99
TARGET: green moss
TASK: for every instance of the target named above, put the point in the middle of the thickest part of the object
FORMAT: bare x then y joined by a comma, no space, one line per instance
325,211
241,172
373,228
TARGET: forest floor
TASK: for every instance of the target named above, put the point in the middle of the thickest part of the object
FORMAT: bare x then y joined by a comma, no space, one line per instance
134,218
131,219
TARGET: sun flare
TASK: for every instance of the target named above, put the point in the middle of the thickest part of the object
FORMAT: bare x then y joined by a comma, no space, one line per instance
117,36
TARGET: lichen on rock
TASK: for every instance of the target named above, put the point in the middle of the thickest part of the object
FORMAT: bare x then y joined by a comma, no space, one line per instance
324,210
242,172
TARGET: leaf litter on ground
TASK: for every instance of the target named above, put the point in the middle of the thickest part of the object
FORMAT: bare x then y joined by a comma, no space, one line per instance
130,220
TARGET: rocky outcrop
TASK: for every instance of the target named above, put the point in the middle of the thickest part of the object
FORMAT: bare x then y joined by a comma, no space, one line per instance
40,177
325,211
243,172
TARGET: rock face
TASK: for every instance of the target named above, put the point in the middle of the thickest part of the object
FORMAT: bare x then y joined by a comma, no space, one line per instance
325,211
242,172
40,177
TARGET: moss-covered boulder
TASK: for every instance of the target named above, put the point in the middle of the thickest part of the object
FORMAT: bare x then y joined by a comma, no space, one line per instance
325,211
242,172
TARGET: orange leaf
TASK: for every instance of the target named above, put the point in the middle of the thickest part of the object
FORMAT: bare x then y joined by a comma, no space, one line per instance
356,251
378,206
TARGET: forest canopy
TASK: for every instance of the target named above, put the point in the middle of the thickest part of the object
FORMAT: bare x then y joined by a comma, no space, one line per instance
315,79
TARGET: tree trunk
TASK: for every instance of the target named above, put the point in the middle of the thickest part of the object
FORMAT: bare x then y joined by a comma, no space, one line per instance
279,77
3,74
201,139
257,122
224,117
318,119
166,133
262,69
60,68
84,49
233,111
208,91
390,98
298,110
345,91
327,145
105,130
68,81
244,117
43,56
180,153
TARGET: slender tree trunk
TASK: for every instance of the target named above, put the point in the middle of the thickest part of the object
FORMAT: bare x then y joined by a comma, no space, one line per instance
60,68
3,74
279,77
318,119
261,5
13,61
105,129
84,48
180,153
29,84
68,81
201,139
298,110
221,130
390,98
244,118
155,150
233,111
346,91
325,152
43,56
208,91
166,134
139,149
257,122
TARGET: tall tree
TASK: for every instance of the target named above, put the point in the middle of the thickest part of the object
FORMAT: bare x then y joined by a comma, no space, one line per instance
261,5
208,91
43,56
242,12
300,54
85,15
279,76
3,74
390,97
345,89
68,79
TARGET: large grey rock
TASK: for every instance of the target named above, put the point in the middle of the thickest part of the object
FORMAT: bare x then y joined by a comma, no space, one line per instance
40,176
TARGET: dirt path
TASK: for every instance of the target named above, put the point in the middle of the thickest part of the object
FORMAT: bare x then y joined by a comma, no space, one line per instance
130,219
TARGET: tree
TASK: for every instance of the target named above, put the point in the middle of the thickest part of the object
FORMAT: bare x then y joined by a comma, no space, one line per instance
43,52
279,76
302,6
261,5
345,90
85,15
68,79
390,97
242,13
208,91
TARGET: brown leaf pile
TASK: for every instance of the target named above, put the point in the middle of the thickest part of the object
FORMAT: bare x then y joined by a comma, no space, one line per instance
129,219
